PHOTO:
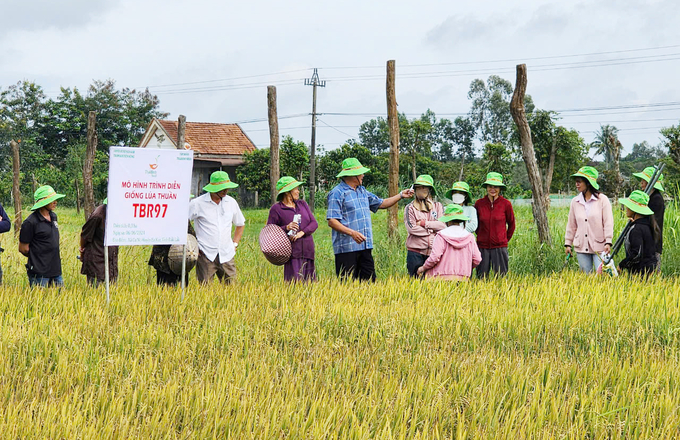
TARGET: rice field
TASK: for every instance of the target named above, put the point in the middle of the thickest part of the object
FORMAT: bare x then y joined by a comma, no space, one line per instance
543,353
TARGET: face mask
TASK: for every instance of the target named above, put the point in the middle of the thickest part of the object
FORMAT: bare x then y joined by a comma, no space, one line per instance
458,199
422,193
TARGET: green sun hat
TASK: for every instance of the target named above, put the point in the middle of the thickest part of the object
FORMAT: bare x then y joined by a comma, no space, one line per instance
647,174
285,184
219,180
638,201
453,212
590,174
44,196
494,179
352,167
458,186
426,180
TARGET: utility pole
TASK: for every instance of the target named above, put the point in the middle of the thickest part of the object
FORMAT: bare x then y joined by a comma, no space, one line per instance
393,124
88,165
314,82
272,116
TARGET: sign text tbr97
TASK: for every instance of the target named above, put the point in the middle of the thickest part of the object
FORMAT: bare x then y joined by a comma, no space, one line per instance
150,210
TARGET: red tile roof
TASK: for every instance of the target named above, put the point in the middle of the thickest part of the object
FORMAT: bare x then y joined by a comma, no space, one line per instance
211,138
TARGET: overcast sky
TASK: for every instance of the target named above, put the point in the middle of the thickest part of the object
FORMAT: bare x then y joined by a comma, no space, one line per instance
439,48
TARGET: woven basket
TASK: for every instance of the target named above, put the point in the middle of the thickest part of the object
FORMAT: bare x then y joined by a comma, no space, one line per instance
175,255
275,245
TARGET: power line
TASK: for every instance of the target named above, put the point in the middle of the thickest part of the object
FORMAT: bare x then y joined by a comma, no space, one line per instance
336,129
250,121
451,73
509,59
535,68
228,79
289,82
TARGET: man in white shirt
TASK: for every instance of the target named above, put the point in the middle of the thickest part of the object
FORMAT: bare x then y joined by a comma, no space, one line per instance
213,214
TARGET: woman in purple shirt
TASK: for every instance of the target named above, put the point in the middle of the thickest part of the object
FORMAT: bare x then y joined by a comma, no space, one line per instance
297,220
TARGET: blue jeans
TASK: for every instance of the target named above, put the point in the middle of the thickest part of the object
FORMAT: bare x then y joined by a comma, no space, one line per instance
41,281
588,262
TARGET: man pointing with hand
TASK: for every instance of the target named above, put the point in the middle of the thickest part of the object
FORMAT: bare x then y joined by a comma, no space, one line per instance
349,215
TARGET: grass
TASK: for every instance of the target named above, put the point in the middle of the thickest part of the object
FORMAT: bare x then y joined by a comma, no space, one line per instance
538,354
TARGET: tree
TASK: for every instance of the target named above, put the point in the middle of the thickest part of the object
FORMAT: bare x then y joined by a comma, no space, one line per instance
294,159
375,135
254,173
672,141
539,192
496,158
558,150
330,164
643,151
607,143
490,112
415,140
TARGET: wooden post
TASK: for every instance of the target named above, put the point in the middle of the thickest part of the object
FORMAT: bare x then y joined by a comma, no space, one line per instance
393,124
274,168
75,181
181,131
16,190
88,164
520,117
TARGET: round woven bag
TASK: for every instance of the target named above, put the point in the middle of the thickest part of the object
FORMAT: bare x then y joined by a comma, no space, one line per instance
175,255
275,245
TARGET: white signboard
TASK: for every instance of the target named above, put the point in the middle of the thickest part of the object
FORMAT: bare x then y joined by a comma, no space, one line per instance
148,196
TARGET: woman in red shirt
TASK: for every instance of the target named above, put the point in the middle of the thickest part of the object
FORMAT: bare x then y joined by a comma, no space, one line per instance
496,226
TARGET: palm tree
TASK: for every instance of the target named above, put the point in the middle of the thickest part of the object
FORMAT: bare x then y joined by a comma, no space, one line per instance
607,143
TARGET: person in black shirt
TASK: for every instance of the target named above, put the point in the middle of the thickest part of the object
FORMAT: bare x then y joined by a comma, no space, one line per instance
5,226
39,240
656,204
92,249
640,242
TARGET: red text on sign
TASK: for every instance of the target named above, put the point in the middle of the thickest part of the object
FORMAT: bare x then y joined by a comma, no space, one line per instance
149,210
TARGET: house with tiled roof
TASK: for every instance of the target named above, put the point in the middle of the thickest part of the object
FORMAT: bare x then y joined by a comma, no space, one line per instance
215,146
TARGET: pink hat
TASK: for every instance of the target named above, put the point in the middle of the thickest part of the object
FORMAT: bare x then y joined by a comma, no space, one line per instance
275,245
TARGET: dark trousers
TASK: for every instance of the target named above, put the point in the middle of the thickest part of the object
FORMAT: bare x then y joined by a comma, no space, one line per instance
493,259
413,261
169,279
359,265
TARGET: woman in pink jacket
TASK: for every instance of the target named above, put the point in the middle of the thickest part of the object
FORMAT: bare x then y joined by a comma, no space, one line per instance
422,223
590,227
455,250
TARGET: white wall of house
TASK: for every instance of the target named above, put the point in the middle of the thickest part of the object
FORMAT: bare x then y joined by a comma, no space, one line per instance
160,140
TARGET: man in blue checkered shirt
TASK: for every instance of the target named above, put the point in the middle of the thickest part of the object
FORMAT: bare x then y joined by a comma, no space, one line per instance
349,215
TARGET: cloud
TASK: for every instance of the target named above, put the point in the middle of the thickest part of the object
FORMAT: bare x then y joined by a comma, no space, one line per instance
455,30
32,15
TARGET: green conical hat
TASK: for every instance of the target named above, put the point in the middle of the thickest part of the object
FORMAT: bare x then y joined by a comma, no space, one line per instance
647,174
494,179
219,180
426,180
453,212
285,184
44,196
638,201
458,186
590,174
352,167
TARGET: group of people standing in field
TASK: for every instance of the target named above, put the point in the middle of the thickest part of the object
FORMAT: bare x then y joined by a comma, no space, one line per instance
441,241
445,242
